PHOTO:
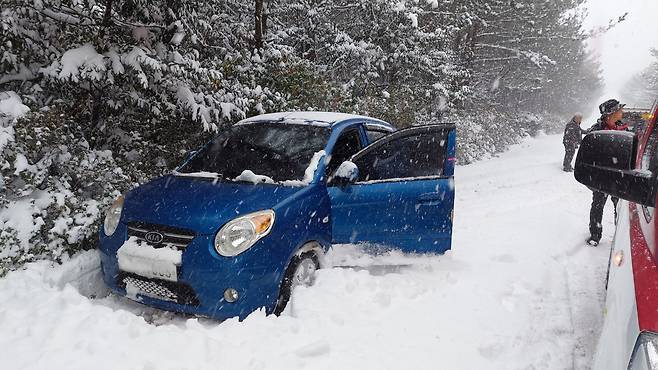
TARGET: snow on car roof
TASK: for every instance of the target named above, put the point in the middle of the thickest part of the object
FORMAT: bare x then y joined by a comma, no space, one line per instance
318,118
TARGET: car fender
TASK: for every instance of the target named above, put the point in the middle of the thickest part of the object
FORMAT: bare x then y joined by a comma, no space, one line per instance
303,225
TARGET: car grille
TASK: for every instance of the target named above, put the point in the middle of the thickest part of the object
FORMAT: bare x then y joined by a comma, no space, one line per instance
160,289
172,236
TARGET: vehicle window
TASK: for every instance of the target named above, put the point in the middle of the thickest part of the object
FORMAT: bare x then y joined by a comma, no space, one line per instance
635,121
374,134
649,157
406,157
277,150
346,146
649,161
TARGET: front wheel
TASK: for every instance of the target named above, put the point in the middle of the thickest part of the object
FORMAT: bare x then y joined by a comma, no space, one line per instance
301,271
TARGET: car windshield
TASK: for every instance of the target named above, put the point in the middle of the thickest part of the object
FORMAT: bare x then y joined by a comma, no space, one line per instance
277,150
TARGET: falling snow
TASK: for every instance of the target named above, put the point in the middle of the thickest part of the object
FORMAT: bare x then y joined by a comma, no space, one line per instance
533,300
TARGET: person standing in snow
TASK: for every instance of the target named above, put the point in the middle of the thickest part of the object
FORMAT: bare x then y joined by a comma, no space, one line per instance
611,115
573,134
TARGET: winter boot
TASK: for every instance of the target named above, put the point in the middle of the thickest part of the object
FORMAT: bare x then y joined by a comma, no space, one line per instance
593,241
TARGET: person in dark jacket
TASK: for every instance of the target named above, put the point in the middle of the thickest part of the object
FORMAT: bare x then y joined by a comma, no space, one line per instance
573,134
611,115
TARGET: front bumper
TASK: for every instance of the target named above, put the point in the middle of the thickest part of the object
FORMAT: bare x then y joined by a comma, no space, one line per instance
202,279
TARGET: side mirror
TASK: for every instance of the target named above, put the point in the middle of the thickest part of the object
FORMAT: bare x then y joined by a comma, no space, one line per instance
606,162
347,173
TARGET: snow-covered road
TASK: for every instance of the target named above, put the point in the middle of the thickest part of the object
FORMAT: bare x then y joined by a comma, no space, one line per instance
520,290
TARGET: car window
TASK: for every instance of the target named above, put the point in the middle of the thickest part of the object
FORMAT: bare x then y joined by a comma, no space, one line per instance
375,134
276,150
406,157
348,144
649,159
635,121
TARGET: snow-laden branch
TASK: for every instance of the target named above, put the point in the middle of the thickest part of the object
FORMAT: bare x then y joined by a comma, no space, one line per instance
24,74
536,58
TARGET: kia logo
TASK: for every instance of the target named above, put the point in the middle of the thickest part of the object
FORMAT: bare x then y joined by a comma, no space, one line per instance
154,237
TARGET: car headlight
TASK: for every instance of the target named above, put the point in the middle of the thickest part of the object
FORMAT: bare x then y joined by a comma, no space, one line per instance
112,217
645,354
241,233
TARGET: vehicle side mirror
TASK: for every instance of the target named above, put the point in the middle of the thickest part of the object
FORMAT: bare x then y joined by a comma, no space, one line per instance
606,162
346,174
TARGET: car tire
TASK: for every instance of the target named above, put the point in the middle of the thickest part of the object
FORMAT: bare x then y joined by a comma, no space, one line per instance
300,271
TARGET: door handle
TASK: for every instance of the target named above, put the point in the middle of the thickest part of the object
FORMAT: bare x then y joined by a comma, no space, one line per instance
430,198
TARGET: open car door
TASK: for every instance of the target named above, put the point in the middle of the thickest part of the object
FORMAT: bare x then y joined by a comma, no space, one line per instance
404,194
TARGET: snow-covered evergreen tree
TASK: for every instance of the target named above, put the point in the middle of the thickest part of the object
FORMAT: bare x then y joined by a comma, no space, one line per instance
529,55
118,89
163,59
642,89
389,59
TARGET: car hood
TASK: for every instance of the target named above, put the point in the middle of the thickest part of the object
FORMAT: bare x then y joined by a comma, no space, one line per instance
199,204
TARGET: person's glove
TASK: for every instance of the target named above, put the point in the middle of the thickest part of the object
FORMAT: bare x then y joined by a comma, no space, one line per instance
621,126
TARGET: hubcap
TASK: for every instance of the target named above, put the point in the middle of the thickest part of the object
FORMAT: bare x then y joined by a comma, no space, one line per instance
304,273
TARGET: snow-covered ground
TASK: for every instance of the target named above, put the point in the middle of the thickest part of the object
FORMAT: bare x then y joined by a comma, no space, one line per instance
520,290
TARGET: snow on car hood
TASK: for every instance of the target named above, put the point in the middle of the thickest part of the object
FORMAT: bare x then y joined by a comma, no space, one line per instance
199,204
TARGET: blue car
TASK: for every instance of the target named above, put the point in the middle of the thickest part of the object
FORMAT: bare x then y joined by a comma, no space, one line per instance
246,218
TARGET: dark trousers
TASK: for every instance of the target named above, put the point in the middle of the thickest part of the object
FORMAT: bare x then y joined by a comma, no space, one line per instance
569,151
596,213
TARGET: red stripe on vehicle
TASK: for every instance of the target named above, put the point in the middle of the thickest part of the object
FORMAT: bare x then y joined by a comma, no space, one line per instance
645,275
